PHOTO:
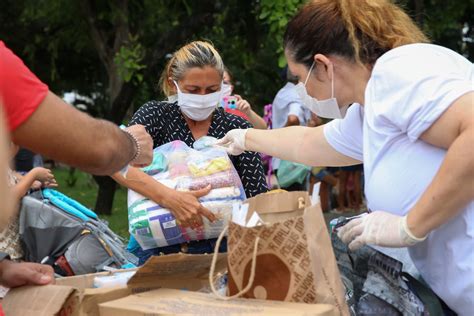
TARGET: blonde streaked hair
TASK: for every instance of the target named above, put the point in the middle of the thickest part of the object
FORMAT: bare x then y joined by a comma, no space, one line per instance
195,54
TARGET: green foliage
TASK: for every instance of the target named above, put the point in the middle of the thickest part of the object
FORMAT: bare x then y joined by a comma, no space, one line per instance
72,177
447,23
129,60
277,13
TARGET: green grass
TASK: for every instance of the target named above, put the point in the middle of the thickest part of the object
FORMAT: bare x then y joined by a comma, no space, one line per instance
85,191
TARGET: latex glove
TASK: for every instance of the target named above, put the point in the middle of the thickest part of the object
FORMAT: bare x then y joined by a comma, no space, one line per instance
378,228
234,141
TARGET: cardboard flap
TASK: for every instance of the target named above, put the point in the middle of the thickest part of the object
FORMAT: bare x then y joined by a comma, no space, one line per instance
37,300
86,281
174,302
80,282
176,266
278,202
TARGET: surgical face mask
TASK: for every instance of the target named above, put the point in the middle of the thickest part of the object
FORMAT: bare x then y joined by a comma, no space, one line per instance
196,106
323,108
226,90
173,98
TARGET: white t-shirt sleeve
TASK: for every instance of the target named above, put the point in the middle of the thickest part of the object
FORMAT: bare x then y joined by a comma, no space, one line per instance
345,135
296,109
411,91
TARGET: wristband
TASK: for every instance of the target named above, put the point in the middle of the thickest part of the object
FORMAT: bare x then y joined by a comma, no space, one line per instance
137,144
124,170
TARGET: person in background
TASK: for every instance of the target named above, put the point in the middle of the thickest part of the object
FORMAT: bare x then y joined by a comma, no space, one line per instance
288,110
321,174
192,79
243,107
328,181
411,123
350,189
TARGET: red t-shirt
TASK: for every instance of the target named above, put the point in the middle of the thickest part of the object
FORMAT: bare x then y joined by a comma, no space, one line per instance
21,92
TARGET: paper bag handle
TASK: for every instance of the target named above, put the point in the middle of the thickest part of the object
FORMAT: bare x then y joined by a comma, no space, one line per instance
213,266
301,203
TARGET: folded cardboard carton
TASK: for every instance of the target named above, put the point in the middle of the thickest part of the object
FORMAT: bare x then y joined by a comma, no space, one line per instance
77,296
179,302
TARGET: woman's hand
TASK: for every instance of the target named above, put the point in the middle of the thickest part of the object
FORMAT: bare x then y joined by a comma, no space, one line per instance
378,228
234,141
186,207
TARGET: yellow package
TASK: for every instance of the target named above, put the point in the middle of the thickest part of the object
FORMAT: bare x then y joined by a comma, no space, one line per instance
209,167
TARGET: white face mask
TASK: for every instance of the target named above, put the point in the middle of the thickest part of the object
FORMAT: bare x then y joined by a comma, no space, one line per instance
196,106
173,98
324,108
226,90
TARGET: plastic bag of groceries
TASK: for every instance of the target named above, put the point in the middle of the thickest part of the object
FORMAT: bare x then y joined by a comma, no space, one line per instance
185,169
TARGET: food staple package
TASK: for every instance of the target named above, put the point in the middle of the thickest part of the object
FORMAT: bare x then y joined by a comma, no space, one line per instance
185,169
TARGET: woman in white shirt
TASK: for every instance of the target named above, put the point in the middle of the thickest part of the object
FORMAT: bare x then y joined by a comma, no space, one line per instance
411,123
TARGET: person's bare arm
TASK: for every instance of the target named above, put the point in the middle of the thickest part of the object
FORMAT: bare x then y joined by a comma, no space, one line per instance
453,186
447,195
59,131
21,188
185,206
256,120
306,145
43,175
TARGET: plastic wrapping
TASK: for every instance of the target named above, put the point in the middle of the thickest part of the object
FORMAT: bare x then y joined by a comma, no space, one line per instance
185,169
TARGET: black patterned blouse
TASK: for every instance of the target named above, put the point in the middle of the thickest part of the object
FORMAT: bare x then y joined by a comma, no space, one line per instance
165,123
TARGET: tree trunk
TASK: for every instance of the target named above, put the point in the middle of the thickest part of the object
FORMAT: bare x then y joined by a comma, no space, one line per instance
120,93
121,103
107,185
105,196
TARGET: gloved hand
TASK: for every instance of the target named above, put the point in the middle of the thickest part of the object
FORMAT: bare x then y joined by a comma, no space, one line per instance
234,141
378,228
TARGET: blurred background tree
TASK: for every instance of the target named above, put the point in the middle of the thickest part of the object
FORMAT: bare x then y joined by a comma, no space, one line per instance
113,51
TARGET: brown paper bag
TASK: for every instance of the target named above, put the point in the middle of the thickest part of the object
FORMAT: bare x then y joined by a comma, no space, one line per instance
288,258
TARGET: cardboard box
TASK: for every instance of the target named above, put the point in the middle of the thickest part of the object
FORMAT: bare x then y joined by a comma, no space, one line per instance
176,302
41,300
76,295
